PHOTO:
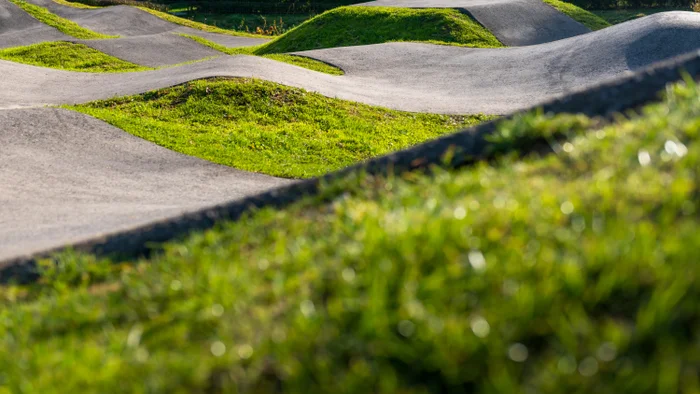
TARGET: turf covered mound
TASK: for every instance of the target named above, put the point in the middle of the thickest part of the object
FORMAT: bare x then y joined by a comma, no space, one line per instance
514,22
566,272
348,26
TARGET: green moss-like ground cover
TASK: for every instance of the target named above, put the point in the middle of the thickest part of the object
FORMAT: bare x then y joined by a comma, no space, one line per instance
63,25
265,127
346,26
571,272
68,56
587,18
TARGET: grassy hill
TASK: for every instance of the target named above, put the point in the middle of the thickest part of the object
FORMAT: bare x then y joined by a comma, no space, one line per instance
571,271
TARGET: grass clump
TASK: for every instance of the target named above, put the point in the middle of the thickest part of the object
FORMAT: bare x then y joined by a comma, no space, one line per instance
196,25
346,26
589,19
68,56
558,273
75,4
265,127
61,24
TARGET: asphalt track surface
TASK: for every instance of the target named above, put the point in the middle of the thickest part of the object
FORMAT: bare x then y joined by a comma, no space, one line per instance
126,21
405,76
66,176
144,39
18,28
513,22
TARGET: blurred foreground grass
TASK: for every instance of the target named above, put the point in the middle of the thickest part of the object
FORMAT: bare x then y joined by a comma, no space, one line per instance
569,272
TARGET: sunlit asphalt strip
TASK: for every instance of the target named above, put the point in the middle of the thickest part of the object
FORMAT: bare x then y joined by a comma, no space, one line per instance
468,146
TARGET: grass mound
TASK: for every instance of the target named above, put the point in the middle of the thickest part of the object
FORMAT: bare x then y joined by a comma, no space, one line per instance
63,25
567,272
68,56
587,18
346,26
265,127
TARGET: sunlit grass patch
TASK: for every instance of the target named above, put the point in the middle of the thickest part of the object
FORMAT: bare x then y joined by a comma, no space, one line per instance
68,56
265,127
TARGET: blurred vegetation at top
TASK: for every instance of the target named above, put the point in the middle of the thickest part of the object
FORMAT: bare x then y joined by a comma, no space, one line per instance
565,264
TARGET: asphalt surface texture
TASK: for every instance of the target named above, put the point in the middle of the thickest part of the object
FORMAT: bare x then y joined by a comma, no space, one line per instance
18,28
144,39
404,76
126,21
513,22
66,177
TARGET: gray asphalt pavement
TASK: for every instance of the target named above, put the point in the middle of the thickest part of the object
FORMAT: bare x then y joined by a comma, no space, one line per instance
144,39
19,28
66,177
513,22
154,50
128,21
404,76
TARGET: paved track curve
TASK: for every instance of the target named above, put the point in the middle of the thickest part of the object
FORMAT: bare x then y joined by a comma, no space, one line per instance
513,22
144,39
65,177
404,76
18,28
126,21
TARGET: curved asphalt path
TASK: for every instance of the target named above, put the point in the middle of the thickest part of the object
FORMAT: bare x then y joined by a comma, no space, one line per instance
66,177
404,76
513,22
126,21
144,39
18,28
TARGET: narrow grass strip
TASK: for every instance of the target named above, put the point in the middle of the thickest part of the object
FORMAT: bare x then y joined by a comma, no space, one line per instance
269,128
68,56
299,61
63,25
75,4
586,18
197,25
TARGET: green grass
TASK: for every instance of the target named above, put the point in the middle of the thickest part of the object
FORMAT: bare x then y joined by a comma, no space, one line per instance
196,25
311,64
68,56
589,19
346,26
74,4
619,16
63,25
573,272
271,24
265,127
